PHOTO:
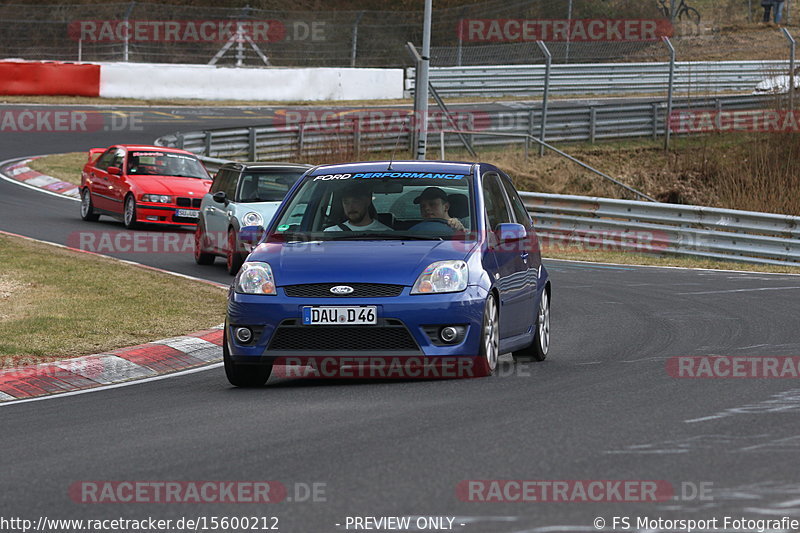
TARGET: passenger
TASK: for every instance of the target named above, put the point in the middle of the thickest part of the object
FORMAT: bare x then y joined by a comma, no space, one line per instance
433,204
357,205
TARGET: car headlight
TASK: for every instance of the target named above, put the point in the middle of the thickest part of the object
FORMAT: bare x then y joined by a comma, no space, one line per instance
157,198
442,276
252,219
255,278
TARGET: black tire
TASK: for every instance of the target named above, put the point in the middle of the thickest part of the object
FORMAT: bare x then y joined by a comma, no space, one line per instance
243,375
538,349
489,351
129,212
87,208
233,258
201,257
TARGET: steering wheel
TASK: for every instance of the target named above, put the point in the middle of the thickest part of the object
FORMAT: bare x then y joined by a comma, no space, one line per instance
431,225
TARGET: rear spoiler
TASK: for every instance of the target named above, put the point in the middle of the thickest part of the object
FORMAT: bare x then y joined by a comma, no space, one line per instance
94,152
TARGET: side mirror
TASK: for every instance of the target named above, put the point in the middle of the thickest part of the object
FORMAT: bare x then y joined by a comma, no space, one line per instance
250,236
220,197
511,232
116,171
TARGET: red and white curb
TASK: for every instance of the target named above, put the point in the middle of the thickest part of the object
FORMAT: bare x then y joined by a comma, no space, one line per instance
155,358
21,172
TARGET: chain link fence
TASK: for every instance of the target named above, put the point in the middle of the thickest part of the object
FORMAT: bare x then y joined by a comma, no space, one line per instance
160,33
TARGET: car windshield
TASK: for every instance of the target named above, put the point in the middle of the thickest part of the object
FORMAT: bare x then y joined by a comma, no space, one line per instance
267,186
379,206
165,164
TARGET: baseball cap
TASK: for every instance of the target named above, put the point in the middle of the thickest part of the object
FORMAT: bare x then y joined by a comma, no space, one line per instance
430,193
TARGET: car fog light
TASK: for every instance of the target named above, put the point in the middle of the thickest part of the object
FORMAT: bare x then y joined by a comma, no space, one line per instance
243,335
448,334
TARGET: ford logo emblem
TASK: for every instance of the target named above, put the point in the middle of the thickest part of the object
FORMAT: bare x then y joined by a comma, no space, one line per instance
341,289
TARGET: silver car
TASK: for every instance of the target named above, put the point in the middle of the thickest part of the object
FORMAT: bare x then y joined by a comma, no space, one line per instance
243,194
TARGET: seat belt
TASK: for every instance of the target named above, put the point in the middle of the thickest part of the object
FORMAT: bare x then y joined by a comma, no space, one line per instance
343,227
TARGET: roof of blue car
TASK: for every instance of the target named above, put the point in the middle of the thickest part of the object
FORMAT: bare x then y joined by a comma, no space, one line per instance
451,167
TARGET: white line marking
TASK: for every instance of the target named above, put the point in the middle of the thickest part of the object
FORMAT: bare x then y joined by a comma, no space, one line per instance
705,418
742,290
707,270
769,444
114,386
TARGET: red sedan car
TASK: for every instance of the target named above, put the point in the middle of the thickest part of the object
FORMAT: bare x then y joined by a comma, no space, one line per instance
138,183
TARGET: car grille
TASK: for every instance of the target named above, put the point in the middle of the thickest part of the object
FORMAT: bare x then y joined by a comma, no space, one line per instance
360,290
188,202
393,336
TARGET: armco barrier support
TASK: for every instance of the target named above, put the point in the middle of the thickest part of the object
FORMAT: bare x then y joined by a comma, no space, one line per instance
29,78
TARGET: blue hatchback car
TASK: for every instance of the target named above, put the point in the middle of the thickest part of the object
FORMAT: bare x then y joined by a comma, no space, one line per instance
391,269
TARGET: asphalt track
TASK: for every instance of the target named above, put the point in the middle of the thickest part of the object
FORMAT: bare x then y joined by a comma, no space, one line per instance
602,407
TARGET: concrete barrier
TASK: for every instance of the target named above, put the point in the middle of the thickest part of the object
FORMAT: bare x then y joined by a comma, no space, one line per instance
51,78
157,81
149,81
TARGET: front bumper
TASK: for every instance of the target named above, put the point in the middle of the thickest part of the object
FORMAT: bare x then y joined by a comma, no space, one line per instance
164,214
405,327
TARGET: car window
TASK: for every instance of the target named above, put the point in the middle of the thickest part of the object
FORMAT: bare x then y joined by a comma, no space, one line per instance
387,205
104,161
230,184
520,213
118,159
219,181
496,206
266,186
151,162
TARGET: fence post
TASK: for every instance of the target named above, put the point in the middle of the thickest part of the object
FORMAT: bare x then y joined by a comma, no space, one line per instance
669,91
355,39
441,144
127,34
179,140
301,130
207,148
416,118
592,124
251,143
718,103
549,59
357,137
655,120
471,136
792,48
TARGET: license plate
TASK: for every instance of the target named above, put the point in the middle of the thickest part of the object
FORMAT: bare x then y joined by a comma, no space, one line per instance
187,213
339,316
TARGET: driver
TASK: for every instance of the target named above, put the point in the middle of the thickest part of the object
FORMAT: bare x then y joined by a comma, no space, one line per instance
357,205
433,204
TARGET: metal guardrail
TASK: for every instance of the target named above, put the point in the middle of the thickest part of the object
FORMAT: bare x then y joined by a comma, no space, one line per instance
707,232
692,77
595,223
573,122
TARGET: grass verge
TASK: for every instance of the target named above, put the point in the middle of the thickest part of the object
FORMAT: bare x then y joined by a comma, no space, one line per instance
57,303
66,167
